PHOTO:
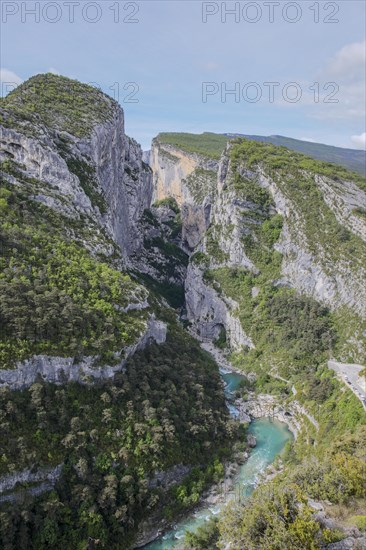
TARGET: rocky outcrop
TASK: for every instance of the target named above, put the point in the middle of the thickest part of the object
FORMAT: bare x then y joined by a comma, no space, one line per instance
160,256
230,214
291,413
171,169
125,180
101,176
190,179
8,482
197,183
166,479
210,312
78,161
337,283
347,201
59,370
358,543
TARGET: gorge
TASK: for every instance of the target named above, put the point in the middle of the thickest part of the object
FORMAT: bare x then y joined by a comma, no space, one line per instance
119,270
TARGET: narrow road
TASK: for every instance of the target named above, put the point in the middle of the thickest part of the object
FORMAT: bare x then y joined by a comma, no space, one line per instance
348,373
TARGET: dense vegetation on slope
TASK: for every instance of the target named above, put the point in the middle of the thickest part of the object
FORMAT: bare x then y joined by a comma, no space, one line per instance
279,516
55,297
58,102
61,294
167,408
162,266
207,144
212,145
294,335
352,159
201,184
65,292
328,240
295,175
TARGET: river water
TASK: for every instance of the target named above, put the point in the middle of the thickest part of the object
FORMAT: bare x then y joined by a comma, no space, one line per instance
271,436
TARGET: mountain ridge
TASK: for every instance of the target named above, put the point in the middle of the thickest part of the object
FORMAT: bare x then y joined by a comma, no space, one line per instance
213,144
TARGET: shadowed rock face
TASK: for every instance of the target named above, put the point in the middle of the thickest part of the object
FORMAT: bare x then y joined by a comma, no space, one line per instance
101,174
96,175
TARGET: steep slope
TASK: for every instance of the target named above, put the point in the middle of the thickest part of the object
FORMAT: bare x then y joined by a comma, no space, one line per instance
277,282
79,147
290,222
279,215
72,194
101,389
160,261
210,144
189,178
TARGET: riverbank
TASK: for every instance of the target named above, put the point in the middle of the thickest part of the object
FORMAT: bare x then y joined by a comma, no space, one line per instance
220,358
261,405
242,473
267,406
155,526
238,484
291,413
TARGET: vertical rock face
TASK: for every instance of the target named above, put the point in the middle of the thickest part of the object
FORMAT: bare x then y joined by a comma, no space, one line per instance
98,173
338,282
60,370
221,218
76,159
190,179
126,181
229,212
172,168
197,182
211,313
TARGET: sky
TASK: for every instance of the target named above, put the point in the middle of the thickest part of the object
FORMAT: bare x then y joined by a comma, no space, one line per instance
269,68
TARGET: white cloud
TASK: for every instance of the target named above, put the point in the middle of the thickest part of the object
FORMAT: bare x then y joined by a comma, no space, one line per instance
53,71
359,141
9,80
347,70
349,62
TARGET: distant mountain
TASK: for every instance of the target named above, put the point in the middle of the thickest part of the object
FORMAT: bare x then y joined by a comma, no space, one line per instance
353,159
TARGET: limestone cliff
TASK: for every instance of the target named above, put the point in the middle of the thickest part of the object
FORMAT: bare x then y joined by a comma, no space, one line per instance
189,178
97,172
74,160
318,218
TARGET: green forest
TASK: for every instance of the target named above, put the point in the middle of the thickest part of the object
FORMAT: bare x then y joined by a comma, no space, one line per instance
167,408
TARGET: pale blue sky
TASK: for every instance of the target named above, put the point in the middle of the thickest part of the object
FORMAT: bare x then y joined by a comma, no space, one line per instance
170,52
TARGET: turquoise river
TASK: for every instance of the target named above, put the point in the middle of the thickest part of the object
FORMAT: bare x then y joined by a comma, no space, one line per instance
271,436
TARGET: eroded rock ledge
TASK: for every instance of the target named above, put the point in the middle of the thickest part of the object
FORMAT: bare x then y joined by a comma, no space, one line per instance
268,406
59,370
